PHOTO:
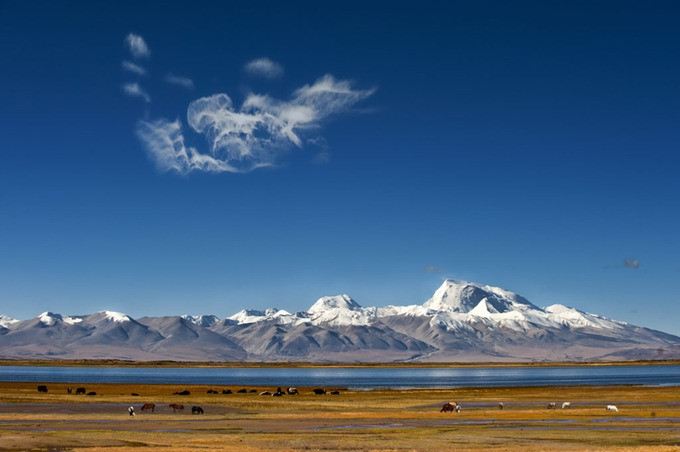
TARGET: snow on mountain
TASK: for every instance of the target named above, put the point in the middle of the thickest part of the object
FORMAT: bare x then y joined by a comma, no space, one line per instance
246,316
463,296
462,321
49,319
6,321
202,320
340,310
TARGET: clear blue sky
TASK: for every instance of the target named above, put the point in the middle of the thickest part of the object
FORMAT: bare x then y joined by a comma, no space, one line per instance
528,145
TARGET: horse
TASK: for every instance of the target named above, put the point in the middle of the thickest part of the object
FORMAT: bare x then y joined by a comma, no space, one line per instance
612,408
80,391
265,393
148,406
69,390
292,391
448,407
42,388
552,405
458,407
196,410
319,391
566,405
227,391
176,407
500,406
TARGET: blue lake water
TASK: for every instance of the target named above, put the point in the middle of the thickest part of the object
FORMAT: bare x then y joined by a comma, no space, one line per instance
352,377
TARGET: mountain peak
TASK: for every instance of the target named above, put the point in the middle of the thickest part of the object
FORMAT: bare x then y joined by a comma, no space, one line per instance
342,302
463,296
6,321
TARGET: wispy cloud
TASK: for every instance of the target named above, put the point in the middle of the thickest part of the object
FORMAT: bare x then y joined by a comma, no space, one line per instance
264,67
184,82
134,68
134,90
137,46
433,269
252,136
631,263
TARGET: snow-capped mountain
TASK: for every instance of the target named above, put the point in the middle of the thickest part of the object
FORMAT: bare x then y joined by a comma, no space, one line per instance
462,321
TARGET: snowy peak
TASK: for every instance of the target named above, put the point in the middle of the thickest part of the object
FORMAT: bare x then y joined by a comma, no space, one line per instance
50,319
205,321
6,321
252,315
466,297
341,302
340,310
109,317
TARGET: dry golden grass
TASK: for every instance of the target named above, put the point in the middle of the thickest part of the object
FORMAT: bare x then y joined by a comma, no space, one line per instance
649,419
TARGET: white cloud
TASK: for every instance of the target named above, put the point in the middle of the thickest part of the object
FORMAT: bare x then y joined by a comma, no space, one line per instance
631,263
137,46
134,90
165,143
253,136
184,82
264,67
134,68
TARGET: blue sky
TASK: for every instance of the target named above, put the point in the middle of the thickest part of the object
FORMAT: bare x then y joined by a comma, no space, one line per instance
364,148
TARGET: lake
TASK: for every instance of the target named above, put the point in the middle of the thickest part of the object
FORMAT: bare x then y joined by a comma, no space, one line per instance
353,377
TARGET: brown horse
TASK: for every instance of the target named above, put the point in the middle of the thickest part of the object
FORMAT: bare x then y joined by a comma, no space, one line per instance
447,407
149,406
196,410
176,407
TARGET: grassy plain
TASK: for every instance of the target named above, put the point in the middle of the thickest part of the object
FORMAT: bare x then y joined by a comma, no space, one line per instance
649,419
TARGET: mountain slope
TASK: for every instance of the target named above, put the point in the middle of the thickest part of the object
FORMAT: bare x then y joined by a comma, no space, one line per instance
462,321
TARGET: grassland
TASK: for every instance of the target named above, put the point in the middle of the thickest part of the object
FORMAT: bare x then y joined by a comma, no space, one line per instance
649,419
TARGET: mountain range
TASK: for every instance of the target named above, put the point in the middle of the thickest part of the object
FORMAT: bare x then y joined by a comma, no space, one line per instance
461,322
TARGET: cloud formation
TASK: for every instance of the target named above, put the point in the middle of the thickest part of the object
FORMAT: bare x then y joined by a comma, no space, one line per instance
252,136
134,68
134,90
433,269
137,46
631,263
184,82
264,67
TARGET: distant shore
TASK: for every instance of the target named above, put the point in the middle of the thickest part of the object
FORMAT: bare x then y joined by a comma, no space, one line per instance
288,364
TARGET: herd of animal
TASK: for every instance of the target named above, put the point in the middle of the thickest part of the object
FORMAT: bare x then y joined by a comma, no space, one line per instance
450,407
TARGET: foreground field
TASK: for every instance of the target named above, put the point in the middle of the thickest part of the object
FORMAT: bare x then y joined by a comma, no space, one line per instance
648,419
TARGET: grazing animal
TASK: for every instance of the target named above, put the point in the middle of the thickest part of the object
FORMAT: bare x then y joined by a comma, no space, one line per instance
319,391
69,390
211,391
131,410
252,391
500,406
80,391
292,391
458,407
91,393
335,392
265,393
242,391
134,394
196,410
176,407
612,408
552,405
148,406
278,394
566,405
447,407
227,391
185,392
42,388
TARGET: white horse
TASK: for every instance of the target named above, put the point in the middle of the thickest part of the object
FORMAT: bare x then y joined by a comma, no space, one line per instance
566,405
612,408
